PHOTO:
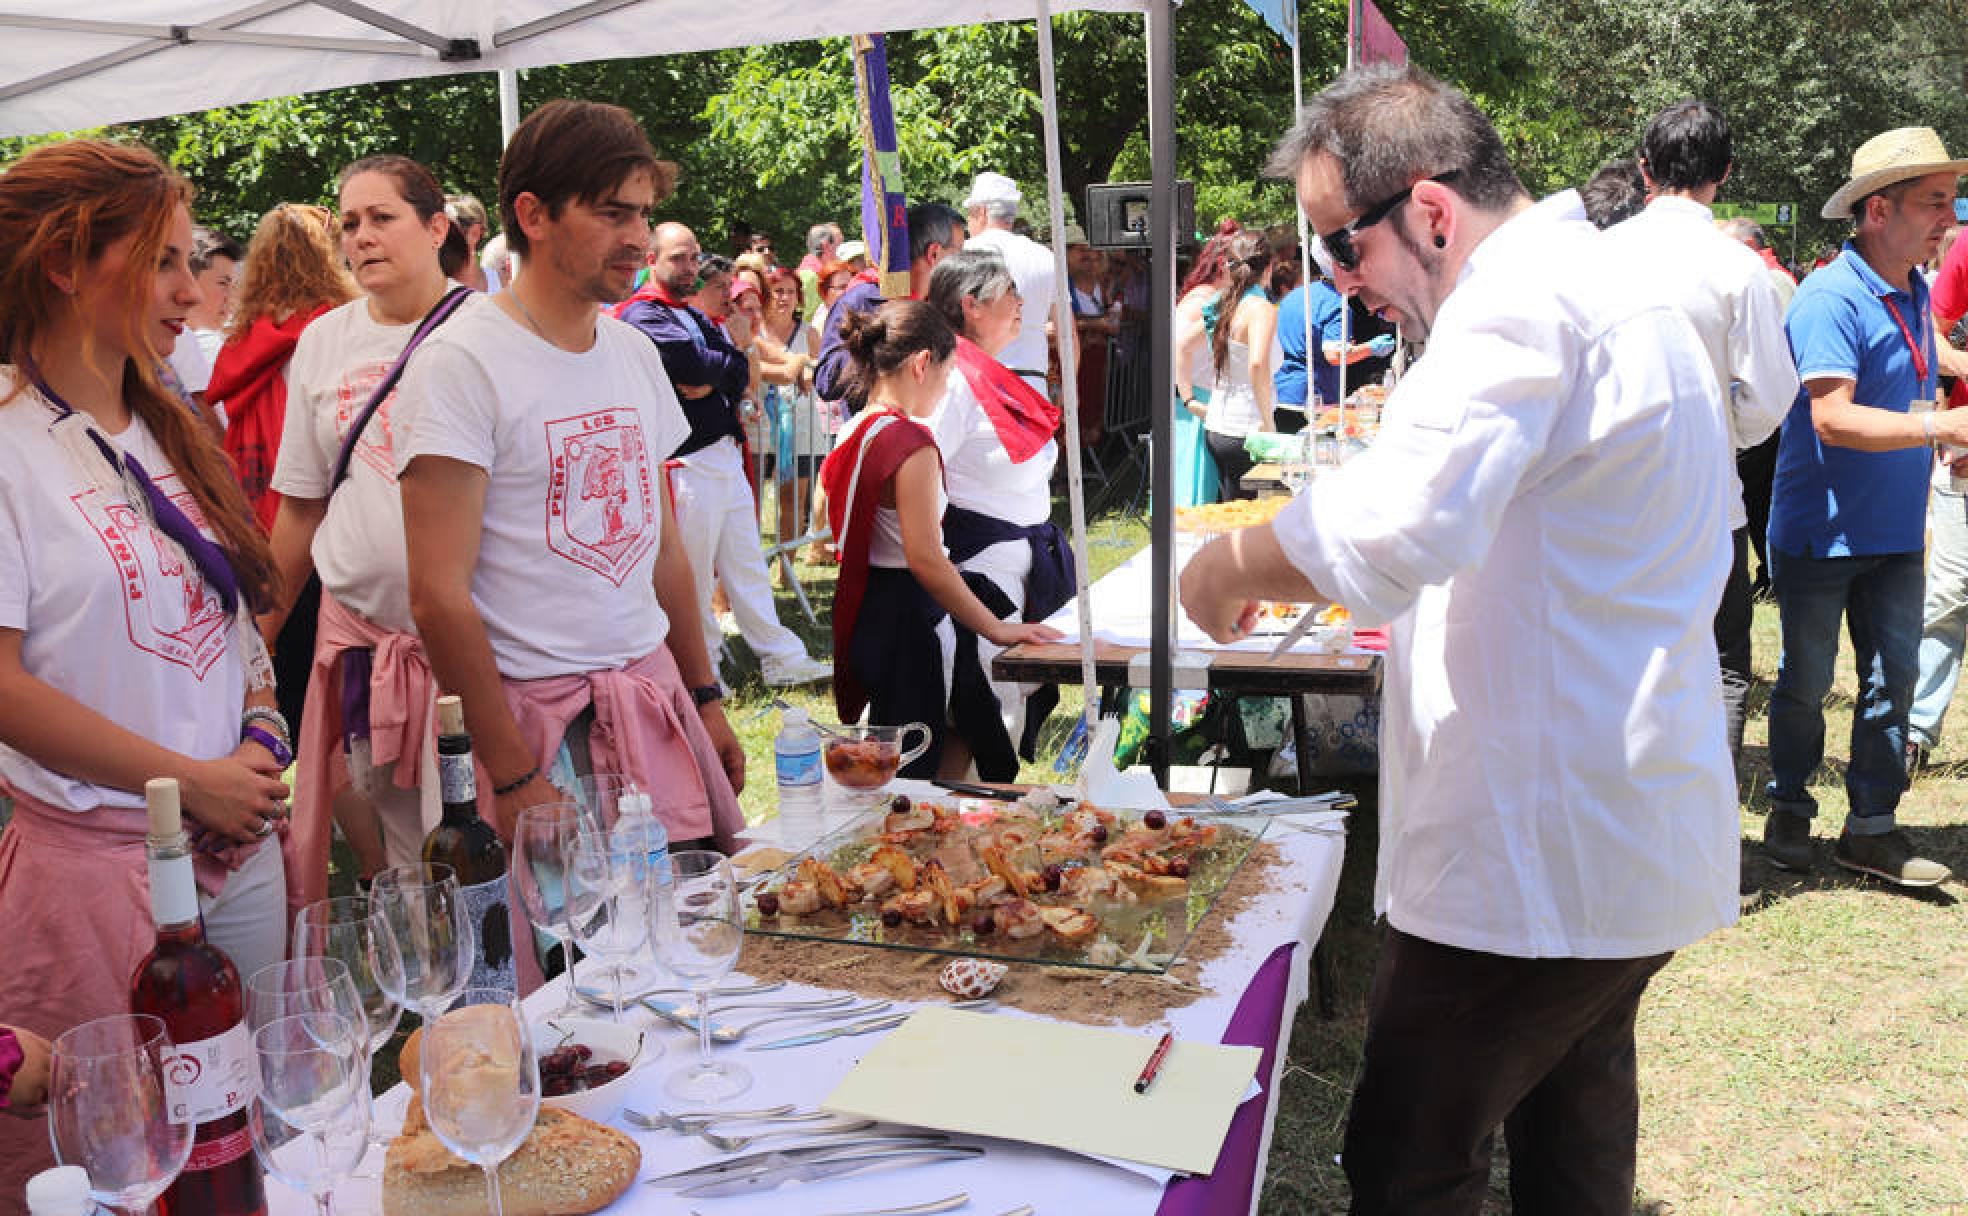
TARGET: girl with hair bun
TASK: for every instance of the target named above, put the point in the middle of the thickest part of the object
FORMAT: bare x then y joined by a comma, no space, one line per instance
130,567
341,518
1241,322
900,598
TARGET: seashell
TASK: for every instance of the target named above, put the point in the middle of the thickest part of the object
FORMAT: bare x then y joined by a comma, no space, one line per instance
970,978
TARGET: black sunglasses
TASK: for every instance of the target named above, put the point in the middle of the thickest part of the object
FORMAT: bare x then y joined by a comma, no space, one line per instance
1339,243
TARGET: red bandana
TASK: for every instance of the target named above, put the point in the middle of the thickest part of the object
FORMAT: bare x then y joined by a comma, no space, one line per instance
1024,419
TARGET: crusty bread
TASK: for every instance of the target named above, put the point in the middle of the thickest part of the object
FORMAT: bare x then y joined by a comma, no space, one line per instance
567,1167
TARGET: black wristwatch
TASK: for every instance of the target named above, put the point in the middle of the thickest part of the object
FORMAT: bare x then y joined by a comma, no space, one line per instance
704,694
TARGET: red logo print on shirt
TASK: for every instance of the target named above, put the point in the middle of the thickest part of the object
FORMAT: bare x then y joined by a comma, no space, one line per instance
601,503
377,446
171,611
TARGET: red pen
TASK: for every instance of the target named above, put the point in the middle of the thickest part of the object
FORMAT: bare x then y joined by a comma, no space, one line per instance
1154,1064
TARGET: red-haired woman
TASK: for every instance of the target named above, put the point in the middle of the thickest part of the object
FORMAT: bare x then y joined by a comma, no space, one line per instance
129,570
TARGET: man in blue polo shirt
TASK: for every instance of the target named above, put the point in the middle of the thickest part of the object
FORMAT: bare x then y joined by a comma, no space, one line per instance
1289,380
1848,514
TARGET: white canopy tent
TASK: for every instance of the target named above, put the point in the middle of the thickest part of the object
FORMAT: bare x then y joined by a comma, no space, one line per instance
137,59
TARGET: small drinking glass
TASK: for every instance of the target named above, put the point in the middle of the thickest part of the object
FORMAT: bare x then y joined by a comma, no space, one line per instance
542,844
698,934
353,929
108,1111
310,1119
607,881
433,931
481,1081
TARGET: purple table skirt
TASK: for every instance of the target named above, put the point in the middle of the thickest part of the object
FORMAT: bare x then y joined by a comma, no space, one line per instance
1260,1014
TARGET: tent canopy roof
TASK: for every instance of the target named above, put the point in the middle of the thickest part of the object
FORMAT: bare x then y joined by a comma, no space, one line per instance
134,59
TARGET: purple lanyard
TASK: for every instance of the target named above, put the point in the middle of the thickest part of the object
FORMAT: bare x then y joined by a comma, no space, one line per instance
173,522
438,315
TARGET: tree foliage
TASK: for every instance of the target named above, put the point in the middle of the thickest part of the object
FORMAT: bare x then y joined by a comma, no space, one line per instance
767,136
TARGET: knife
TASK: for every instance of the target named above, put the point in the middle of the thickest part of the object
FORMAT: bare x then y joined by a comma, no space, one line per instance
768,1177
1297,631
853,1146
885,1022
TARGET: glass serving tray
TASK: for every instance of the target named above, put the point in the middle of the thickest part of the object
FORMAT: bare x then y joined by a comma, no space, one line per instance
1147,934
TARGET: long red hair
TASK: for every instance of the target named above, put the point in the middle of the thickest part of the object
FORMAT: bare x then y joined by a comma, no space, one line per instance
64,204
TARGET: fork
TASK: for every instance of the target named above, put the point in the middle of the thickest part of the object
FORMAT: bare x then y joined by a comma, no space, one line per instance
732,1034
694,1121
688,1013
732,1144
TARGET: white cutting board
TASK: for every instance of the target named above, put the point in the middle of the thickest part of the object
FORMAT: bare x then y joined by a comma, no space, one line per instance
1052,1083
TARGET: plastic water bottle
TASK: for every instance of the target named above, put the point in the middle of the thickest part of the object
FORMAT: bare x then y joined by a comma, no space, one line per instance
796,756
635,812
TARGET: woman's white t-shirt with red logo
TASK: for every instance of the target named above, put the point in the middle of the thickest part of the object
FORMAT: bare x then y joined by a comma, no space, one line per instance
573,445
341,358
112,612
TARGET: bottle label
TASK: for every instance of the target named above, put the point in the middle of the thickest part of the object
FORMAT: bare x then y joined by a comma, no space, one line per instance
455,779
173,891
798,768
485,904
210,1078
223,1150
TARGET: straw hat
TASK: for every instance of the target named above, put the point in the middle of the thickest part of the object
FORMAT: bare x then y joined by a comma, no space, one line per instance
1893,157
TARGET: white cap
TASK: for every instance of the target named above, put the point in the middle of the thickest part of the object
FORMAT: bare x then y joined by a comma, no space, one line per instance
992,188
847,251
61,1191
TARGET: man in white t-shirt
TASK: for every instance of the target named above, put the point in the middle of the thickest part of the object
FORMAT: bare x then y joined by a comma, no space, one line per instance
545,563
991,210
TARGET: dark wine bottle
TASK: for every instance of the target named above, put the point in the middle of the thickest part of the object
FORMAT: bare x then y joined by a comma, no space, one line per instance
194,988
472,849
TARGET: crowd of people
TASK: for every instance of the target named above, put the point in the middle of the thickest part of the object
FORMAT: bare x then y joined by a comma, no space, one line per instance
258,505
1551,524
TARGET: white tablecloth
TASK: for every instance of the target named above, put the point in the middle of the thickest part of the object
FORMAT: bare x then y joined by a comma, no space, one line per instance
1293,909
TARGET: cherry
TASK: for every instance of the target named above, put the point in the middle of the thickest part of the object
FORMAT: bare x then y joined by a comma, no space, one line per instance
983,924
1099,833
1053,874
892,917
900,804
768,903
1154,821
1179,867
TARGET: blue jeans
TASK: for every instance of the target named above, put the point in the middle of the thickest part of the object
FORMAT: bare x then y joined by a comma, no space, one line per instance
1879,599
1946,617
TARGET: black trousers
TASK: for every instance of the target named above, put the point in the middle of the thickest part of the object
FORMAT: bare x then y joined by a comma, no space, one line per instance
1232,462
1458,1042
1757,467
1732,621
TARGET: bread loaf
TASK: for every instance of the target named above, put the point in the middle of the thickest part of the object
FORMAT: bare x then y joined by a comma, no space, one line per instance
568,1166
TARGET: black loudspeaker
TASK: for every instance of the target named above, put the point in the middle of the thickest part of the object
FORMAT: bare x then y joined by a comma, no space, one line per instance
1117,215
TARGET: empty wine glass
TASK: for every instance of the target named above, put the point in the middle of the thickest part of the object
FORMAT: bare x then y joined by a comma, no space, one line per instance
108,1111
600,795
352,929
606,903
481,1081
310,1119
542,843
433,932
305,985
695,924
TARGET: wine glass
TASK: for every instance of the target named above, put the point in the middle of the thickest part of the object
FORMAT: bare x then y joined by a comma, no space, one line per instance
433,931
698,934
542,841
305,985
353,929
600,796
481,1081
607,876
310,1119
108,1111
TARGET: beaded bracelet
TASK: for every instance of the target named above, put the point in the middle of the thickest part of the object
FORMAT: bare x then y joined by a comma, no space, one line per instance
272,719
517,784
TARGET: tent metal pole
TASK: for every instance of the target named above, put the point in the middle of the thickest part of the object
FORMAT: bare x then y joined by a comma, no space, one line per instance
1069,359
508,104
1160,19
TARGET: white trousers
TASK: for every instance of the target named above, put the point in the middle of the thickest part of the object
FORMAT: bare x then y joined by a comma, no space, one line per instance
721,534
404,816
248,920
